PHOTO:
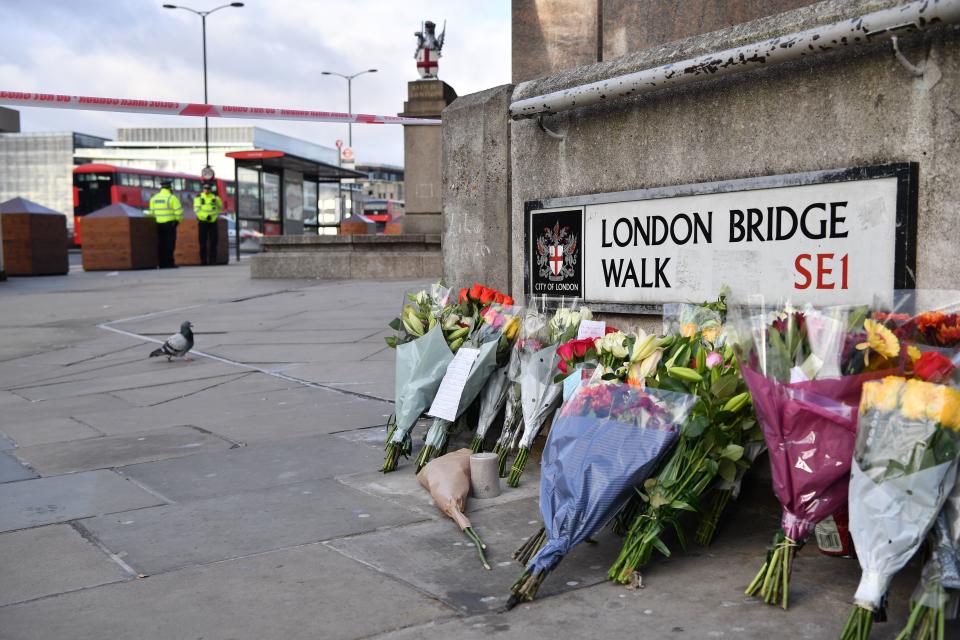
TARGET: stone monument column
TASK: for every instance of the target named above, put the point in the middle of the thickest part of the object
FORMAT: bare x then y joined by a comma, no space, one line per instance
423,155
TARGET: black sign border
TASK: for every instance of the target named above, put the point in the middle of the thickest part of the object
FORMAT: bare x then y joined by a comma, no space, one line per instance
905,250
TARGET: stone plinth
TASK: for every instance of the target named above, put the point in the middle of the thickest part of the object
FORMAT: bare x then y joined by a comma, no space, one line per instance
423,151
119,237
188,241
476,189
360,257
34,239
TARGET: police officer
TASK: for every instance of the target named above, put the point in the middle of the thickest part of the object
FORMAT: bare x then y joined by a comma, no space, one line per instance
166,209
208,205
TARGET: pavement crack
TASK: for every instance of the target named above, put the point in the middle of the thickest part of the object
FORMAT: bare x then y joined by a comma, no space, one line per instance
88,425
265,295
392,577
88,535
59,379
233,377
235,444
142,486
101,355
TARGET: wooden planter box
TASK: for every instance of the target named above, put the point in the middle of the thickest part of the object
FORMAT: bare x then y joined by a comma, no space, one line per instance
356,227
34,239
117,238
188,241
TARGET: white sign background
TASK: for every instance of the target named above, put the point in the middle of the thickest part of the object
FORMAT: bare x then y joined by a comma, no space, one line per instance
698,271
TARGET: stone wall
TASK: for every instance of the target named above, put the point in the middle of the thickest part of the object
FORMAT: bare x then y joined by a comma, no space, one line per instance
476,181
847,108
549,36
634,25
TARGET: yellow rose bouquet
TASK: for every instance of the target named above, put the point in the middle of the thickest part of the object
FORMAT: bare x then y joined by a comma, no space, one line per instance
904,467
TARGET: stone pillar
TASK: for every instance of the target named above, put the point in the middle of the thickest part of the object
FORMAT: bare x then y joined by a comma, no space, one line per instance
476,190
422,152
549,36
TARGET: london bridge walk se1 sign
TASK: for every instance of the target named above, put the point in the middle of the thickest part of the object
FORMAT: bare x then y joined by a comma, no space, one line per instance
826,237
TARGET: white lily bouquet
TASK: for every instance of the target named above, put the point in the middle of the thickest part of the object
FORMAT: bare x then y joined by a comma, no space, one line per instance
540,335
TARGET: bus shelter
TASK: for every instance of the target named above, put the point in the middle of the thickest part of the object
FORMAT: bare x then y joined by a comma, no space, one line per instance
282,194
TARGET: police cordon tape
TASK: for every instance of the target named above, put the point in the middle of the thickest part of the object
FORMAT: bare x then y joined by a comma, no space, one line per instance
196,109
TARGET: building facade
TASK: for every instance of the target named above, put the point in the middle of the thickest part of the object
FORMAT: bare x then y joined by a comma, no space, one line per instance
181,149
384,181
39,167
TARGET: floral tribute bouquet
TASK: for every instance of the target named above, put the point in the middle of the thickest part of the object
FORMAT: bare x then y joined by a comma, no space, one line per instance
512,415
496,392
447,478
708,320
496,328
805,370
606,440
711,444
428,330
540,336
904,468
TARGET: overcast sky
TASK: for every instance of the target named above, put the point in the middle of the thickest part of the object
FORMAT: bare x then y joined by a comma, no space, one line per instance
269,53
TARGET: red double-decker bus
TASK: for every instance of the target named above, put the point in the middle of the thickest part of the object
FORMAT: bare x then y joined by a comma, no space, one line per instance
99,185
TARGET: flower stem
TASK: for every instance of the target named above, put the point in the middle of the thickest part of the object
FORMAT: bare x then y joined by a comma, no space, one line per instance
772,583
530,548
502,453
708,524
476,444
518,466
478,543
392,457
425,456
525,588
926,623
858,624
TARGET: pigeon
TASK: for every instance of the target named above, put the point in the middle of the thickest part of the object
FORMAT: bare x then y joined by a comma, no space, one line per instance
176,345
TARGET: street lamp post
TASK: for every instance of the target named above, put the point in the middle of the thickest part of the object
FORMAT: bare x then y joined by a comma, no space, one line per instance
203,20
349,79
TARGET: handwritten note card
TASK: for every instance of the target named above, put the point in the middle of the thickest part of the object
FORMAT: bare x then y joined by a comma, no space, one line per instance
447,400
591,329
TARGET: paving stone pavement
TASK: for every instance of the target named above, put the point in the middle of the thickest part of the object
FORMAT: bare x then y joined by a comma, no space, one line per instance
237,495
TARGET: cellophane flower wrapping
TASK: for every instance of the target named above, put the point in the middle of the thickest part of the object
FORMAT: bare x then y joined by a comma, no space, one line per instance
492,338
540,335
810,438
606,441
791,360
941,572
422,354
904,469
688,319
420,366
492,399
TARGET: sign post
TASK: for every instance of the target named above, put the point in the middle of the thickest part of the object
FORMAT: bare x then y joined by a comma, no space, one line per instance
826,237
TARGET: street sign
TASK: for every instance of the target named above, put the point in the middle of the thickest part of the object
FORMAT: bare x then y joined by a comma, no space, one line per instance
207,173
339,143
346,154
826,237
254,154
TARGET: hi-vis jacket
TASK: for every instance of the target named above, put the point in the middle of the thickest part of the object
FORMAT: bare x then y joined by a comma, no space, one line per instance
165,207
207,207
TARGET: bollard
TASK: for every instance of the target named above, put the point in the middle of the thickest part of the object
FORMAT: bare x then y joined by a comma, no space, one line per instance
484,475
